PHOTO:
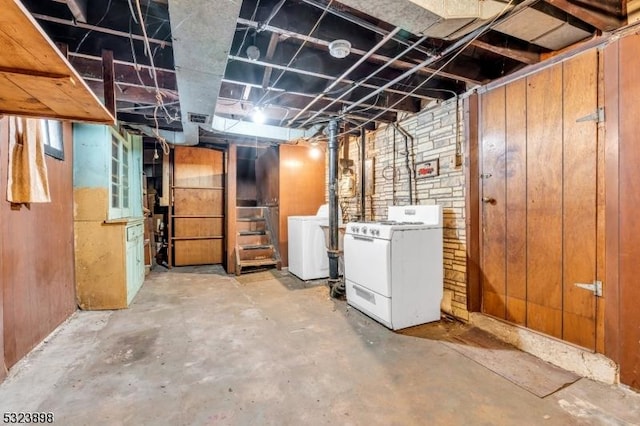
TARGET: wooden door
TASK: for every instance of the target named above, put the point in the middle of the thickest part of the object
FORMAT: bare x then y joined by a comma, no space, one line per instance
198,206
539,190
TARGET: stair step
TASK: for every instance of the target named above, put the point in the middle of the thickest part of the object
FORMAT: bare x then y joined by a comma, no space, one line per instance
247,233
258,262
250,219
256,246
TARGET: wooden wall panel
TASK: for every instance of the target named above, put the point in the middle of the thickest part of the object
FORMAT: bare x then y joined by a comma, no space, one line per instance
198,206
516,201
201,201
579,197
199,252
544,201
494,212
612,230
4,138
629,225
302,188
472,181
230,207
36,248
267,177
204,171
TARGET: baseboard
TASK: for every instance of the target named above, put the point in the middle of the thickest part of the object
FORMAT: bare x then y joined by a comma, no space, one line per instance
562,354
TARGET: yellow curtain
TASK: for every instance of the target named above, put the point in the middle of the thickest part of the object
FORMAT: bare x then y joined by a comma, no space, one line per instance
27,181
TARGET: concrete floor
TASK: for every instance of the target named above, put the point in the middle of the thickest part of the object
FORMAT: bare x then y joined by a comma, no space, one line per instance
198,347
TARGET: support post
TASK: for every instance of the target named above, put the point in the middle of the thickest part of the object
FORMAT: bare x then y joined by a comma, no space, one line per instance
363,177
333,251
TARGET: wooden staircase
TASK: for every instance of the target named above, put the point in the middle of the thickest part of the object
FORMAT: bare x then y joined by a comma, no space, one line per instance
255,245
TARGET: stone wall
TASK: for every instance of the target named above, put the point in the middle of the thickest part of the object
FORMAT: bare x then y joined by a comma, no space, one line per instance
437,133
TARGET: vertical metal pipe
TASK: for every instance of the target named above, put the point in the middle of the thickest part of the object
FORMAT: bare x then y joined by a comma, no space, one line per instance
333,251
363,186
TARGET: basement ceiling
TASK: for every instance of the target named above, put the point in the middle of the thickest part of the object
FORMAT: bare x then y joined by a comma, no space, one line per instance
204,69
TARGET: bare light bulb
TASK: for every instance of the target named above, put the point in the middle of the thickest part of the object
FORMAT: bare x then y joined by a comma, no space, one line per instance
315,153
258,116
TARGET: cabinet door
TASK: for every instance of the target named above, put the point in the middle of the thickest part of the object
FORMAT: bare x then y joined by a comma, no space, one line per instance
135,259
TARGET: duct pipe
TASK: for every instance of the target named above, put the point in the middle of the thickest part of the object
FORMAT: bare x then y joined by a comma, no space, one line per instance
363,186
406,137
333,251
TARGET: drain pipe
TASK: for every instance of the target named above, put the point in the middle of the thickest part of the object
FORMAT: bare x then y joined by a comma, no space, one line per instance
363,186
333,252
406,137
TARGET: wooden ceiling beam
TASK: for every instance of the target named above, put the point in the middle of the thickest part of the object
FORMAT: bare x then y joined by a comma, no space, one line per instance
596,18
519,55
125,72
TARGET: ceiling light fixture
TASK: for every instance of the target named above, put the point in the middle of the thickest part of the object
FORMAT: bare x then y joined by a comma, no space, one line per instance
340,48
253,52
258,115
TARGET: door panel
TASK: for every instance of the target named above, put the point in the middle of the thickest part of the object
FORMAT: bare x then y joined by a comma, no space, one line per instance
580,192
493,206
198,206
544,200
516,201
539,169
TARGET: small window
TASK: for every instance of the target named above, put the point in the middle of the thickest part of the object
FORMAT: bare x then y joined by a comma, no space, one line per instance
119,190
52,135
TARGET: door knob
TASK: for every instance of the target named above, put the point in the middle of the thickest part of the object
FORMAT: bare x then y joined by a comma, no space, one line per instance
488,200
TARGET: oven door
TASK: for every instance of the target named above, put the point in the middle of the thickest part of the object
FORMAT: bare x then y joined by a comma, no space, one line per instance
367,263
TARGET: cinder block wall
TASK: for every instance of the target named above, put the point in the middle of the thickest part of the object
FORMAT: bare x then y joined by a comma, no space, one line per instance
437,132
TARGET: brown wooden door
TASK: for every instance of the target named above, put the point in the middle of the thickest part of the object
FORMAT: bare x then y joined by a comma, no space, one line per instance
539,191
198,206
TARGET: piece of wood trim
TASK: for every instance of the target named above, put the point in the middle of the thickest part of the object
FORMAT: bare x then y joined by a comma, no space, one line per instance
230,207
208,237
472,205
612,207
109,82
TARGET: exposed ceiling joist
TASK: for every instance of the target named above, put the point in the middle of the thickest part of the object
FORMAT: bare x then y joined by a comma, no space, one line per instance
324,76
523,56
96,28
125,72
309,95
597,18
273,43
376,58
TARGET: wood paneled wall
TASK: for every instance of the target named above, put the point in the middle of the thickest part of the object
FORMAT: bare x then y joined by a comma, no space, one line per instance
36,248
292,179
622,89
302,188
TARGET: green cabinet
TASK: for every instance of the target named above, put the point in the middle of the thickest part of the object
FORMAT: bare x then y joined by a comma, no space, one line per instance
108,219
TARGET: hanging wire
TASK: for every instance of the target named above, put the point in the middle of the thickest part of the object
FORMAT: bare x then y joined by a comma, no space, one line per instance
104,15
437,71
159,101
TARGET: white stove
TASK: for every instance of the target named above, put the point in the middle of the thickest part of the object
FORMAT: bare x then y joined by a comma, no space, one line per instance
394,268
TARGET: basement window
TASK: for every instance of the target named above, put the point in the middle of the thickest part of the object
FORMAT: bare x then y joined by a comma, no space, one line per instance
52,138
119,190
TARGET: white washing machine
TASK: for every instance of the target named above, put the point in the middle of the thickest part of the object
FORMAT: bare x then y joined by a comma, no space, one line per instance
308,258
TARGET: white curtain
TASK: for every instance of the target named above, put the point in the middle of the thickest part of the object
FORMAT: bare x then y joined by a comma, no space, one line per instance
27,180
